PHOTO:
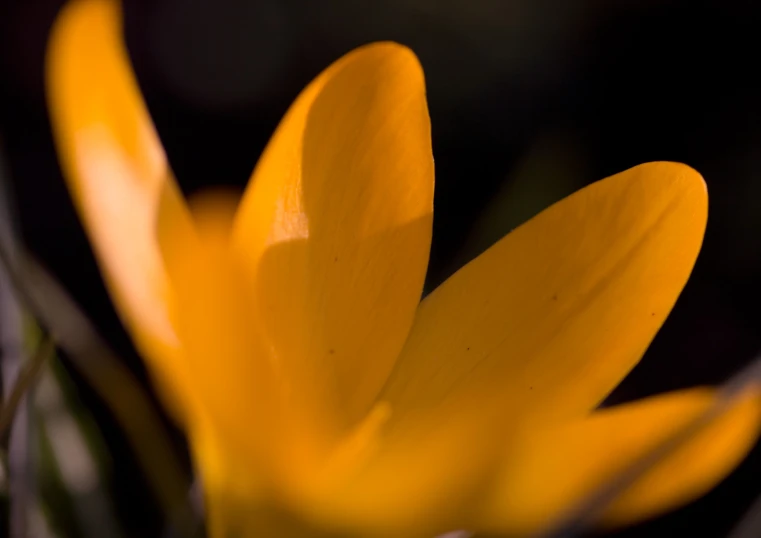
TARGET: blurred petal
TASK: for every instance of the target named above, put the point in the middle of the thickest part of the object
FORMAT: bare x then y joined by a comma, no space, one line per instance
212,308
555,314
115,168
236,502
552,470
245,443
335,228
418,479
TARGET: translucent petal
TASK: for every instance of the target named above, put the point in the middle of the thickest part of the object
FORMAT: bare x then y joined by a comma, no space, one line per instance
335,228
553,469
555,314
115,169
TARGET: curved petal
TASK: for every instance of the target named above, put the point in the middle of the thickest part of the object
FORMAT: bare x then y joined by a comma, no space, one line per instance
335,227
211,308
555,314
248,443
550,471
115,169
240,408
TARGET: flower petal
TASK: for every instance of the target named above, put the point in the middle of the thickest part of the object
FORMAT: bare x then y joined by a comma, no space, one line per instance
211,308
418,479
335,227
240,407
236,502
550,471
116,170
555,314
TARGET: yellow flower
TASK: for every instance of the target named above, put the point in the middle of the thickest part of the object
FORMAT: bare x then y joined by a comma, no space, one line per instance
287,333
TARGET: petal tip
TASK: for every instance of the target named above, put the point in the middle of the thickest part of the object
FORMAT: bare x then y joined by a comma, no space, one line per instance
393,60
677,172
390,49
76,15
681,181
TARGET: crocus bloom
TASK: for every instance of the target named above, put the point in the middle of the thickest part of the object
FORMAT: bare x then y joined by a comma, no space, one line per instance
319,394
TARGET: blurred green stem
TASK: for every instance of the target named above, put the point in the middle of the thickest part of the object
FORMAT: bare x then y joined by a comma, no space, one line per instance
72,331
21,488
28,375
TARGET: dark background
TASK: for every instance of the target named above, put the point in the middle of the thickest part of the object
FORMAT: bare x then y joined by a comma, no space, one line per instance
529,100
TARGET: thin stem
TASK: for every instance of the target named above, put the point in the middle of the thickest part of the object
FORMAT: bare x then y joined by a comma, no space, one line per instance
73,332
26,377
20,471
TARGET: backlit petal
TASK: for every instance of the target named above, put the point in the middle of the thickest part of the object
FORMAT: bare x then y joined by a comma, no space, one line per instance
555,314
115,169
211,307
247,443
551,471
335,228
